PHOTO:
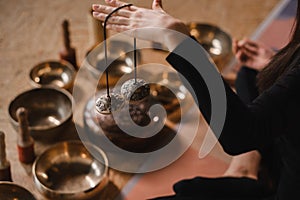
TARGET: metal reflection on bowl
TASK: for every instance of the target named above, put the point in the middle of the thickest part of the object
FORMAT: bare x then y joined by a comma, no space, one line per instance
71,170
49,111
215,41
53,73
174,96
119,60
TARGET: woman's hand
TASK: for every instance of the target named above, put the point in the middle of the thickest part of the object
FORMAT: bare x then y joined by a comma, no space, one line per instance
252,54
148,24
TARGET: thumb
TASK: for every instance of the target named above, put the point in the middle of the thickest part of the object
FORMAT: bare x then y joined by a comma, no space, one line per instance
157,5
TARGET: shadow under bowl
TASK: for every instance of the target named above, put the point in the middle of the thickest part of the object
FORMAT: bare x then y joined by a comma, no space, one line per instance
49,111
71,170
56,73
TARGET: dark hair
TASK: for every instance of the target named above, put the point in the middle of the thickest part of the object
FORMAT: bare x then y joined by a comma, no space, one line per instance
280,62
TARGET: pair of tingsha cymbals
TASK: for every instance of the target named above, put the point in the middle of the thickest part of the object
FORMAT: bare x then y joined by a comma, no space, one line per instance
132,90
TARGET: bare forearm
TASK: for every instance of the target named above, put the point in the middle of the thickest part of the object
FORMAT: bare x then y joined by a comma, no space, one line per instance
148,24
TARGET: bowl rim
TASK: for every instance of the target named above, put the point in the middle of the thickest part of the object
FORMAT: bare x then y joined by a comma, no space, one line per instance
96,72
210,25
64,63
19,187
43,189
39,128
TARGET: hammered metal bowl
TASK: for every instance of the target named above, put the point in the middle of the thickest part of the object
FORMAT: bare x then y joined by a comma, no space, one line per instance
49,111
12,191
71,170
53,73
215,41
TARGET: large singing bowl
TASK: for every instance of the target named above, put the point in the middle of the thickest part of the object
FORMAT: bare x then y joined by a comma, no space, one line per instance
49,111
215,41
71,170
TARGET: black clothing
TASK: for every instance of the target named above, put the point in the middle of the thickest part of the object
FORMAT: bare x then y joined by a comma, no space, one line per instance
223,188
272,116
220,187
245,84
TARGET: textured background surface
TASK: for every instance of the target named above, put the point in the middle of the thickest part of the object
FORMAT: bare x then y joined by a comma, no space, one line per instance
30,32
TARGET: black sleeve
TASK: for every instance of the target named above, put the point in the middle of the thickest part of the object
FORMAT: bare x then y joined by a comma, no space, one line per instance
245,84
246,127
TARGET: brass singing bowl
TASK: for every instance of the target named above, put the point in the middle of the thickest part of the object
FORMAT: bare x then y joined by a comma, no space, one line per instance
171,92
120,61
71,170
215,41
49,111
13,191
53,73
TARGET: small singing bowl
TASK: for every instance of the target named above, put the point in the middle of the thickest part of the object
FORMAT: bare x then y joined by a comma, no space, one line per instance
56,73
215,41
71,170
12,191
49,111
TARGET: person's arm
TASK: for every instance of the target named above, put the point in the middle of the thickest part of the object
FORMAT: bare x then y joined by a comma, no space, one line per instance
246,127
148,24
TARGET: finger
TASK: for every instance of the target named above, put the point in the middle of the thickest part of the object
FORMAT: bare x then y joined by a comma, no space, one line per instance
251,42
157,5
112,19
241,43
108,9
249,54
251,49
115,3
118,28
